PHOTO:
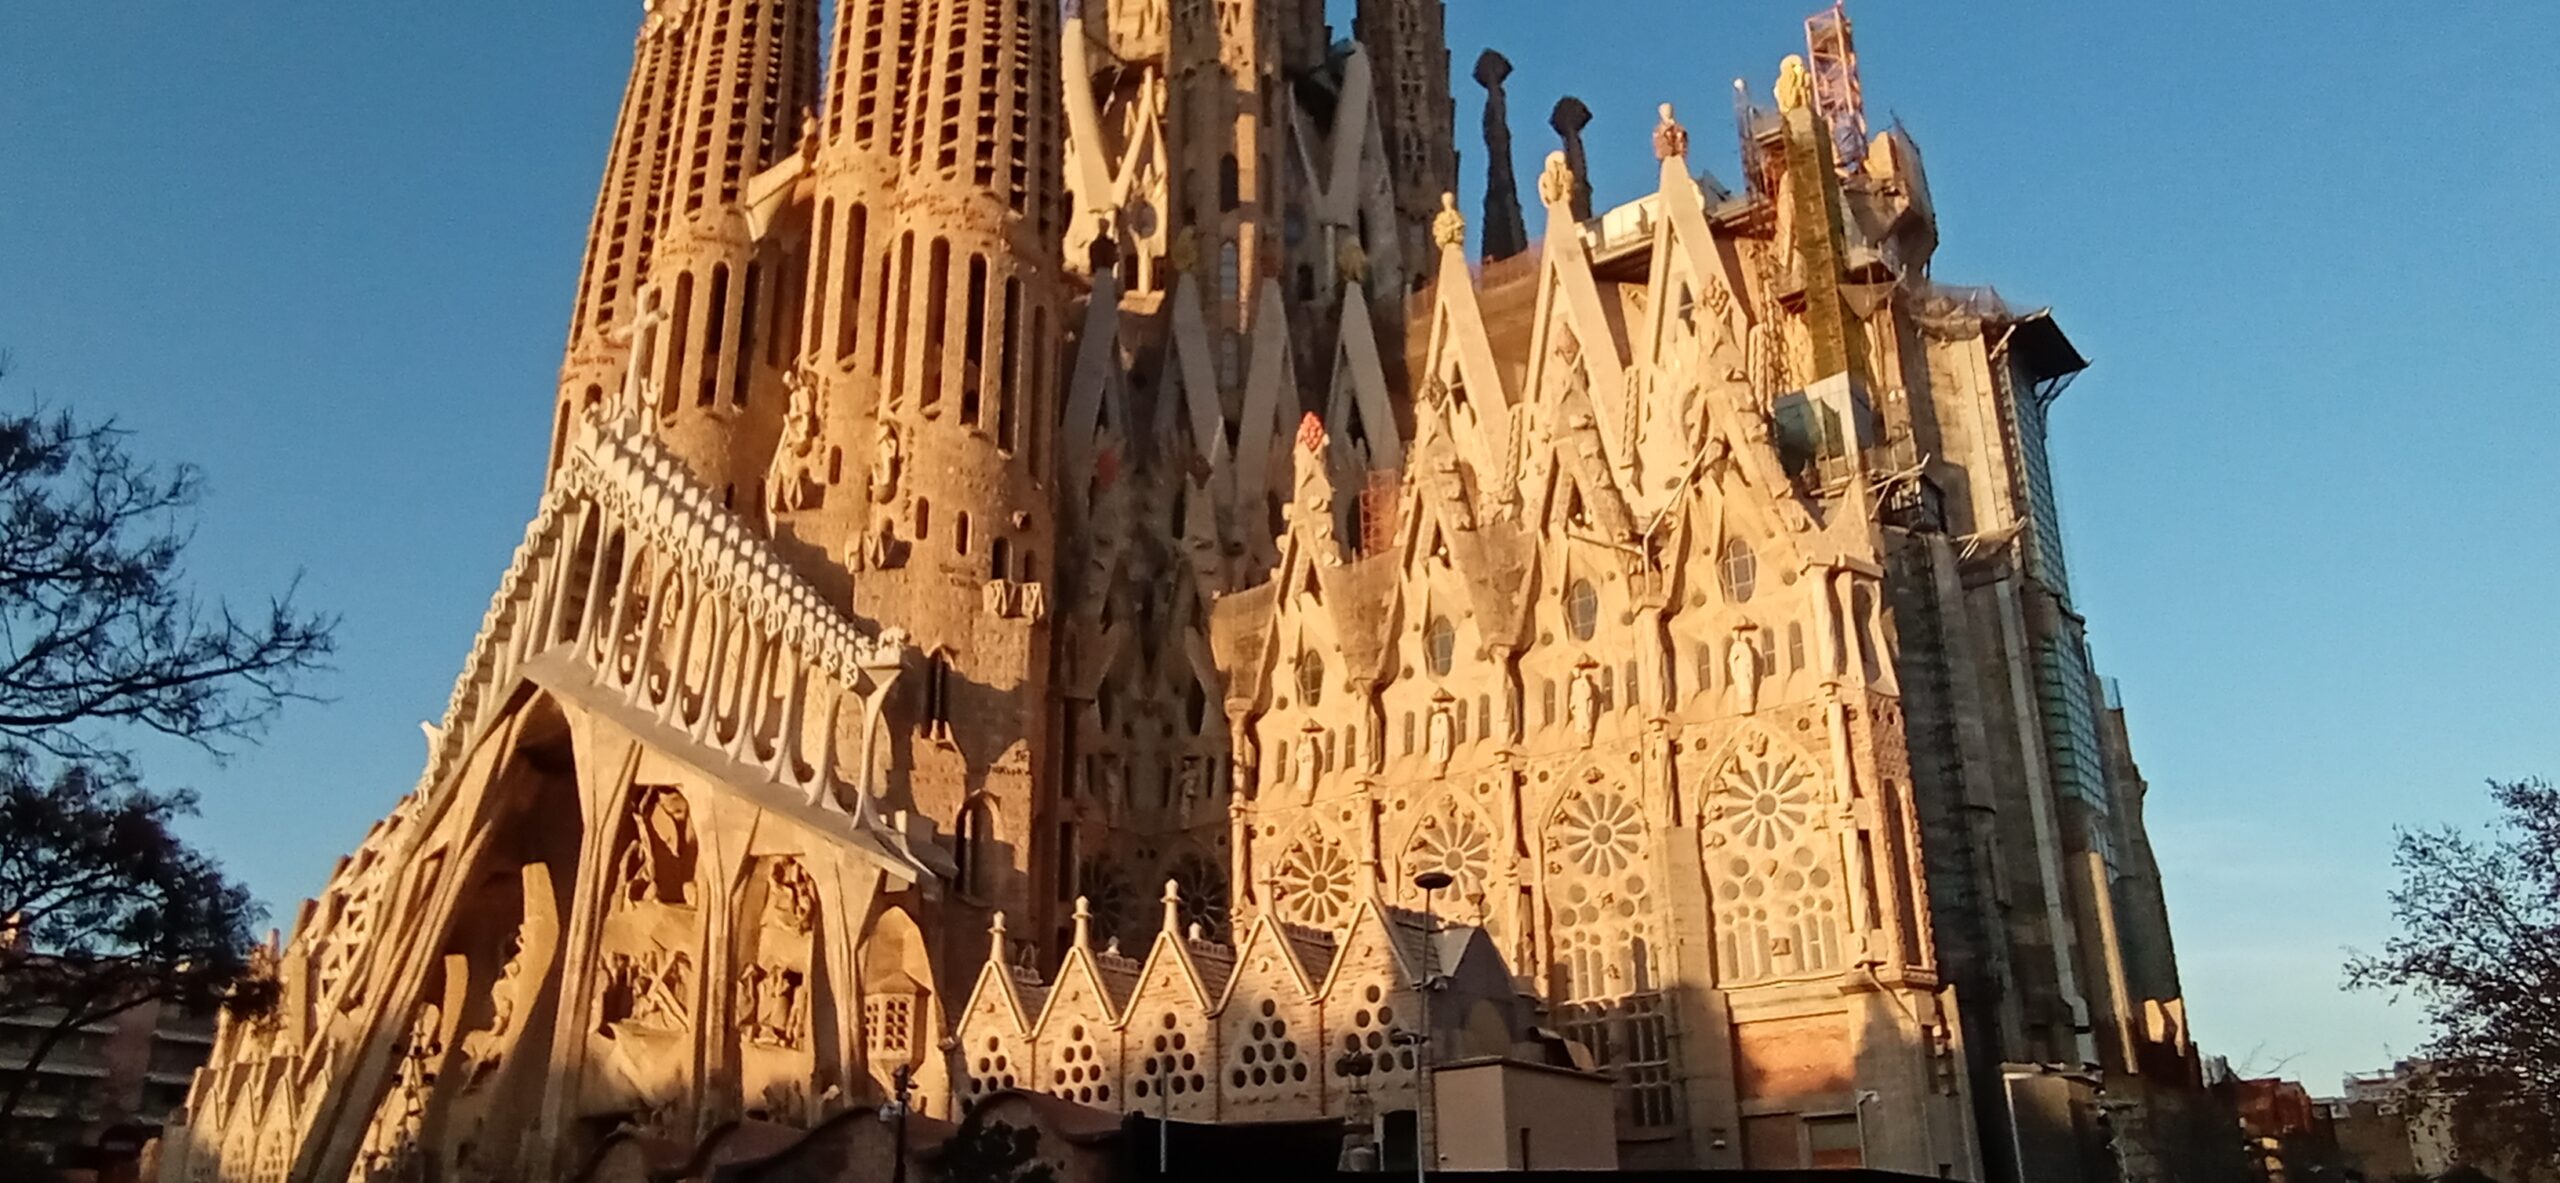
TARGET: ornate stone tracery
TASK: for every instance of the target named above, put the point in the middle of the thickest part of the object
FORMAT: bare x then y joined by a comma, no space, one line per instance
1773,866
1314,885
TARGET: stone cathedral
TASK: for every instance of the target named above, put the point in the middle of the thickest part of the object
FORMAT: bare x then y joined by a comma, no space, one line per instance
1057,524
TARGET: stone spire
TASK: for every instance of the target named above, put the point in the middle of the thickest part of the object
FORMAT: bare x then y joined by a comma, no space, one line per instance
1409,42
1505,232
714,392
623,238
1570,118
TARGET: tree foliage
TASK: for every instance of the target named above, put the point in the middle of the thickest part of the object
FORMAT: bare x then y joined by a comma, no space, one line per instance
110,909
2479,949
102,639
98,628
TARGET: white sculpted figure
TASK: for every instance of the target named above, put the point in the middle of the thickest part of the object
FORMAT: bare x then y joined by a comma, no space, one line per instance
1742,669
1442,736
1582,704
1310,763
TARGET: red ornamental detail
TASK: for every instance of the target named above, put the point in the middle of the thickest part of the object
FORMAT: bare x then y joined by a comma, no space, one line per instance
1311,432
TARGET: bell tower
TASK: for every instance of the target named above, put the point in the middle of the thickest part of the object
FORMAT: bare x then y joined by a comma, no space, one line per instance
678,302
943,179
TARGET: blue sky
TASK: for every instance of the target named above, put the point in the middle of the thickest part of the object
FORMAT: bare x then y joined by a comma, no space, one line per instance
327,252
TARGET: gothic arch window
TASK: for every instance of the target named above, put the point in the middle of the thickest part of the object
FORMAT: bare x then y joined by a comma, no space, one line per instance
924,519
1599,902
974,853
1310,680
1440,645
960,536
1738,571
1230,183
1582,609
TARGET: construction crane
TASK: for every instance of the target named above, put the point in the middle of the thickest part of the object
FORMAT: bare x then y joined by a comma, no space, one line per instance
1831,56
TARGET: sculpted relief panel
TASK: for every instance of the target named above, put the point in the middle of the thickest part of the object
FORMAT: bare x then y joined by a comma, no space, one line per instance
641,1043
770,996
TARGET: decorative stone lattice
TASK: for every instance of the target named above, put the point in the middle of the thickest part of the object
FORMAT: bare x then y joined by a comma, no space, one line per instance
1313,884
993,1067
1171,1065
1076,1072
1374,1031
1774,867
1269,1060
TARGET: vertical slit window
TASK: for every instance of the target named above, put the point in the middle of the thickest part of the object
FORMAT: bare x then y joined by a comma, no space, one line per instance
849,297
679,335
973,341
898,348
937,319
1008,338
715,334
1040,349
747,309
818,277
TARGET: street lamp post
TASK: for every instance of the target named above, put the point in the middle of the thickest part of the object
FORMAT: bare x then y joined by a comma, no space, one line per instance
1426,1099
902,1086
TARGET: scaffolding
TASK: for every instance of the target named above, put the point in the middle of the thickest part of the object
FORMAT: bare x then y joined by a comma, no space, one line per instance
1831,55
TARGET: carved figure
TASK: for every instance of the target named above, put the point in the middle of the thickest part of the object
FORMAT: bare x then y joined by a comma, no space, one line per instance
1742,672
1795,84
1450,228
1669,138
1442,735
1308,765
797,479
1556,183
885,460
1582,703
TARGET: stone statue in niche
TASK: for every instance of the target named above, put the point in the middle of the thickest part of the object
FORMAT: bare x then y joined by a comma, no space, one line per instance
1309,765
640,337
1442,734
798,477
1193,784
885,461
1582,702
1742,671
792,898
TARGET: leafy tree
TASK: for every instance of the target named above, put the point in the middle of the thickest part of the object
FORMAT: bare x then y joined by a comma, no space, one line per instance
101,638
2479,948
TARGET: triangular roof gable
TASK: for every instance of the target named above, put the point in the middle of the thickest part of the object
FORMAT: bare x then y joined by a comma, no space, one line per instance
1569,298
1460,346
1266,941
1366,941
1078,985
1359,384
1169,978
995,999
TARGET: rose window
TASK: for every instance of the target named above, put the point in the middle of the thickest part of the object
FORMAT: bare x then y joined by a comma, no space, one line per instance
1203,883
1599,833
1766,799
1313,884
1458,843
